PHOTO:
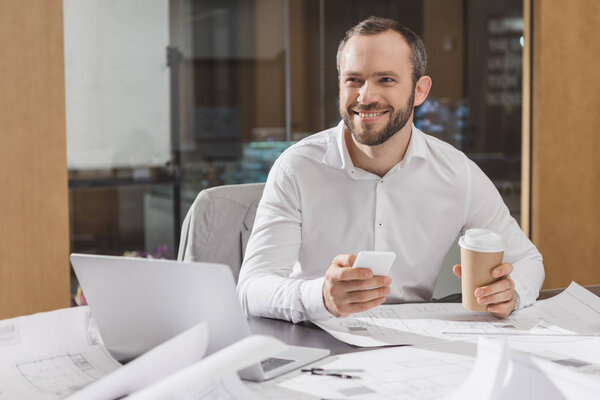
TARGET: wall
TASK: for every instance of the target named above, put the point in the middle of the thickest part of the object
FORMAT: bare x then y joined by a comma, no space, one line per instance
565,212
444,37
34,237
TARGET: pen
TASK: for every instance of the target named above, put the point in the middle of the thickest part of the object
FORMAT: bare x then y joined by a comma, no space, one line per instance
342,376
338,373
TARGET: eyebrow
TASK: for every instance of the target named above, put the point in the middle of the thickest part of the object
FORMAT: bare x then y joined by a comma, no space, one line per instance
381,73
386,73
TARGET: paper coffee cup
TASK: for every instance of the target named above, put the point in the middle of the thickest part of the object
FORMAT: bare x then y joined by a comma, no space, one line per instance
480,251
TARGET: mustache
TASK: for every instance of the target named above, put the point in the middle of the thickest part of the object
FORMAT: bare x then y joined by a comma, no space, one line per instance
368,107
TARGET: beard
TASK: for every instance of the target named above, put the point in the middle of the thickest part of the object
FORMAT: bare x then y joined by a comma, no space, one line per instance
369,135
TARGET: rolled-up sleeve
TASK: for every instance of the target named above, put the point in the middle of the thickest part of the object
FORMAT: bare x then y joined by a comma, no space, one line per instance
486,209
264,286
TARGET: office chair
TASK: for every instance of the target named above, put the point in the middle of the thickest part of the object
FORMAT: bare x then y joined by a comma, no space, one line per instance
219,222
218,225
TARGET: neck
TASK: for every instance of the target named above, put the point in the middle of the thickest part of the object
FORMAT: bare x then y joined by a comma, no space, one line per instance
381,158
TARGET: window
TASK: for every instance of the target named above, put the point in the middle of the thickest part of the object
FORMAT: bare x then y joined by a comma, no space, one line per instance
166,98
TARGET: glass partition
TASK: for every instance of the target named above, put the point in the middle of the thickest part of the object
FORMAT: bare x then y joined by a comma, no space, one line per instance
166,98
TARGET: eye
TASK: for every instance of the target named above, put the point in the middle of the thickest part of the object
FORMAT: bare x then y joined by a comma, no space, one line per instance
351,81
387,80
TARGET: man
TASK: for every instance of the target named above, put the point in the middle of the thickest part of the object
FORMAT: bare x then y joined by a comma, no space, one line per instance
375,182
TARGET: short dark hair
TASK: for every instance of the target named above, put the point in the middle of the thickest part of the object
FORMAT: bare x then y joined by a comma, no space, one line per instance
375,25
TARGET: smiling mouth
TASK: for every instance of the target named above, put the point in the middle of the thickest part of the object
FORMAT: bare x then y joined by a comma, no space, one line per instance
368,115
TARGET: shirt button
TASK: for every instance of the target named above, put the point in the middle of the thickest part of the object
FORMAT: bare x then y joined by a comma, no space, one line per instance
379,224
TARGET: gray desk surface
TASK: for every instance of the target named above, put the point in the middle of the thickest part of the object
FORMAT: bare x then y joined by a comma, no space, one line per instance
308,334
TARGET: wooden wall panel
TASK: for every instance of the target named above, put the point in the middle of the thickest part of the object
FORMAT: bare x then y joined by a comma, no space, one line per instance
34,238
443,21
566,139
526,123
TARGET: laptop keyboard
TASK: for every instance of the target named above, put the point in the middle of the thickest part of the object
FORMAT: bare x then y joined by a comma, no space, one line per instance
272,363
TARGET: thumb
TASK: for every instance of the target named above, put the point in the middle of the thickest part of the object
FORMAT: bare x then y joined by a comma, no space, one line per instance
344,260
457,270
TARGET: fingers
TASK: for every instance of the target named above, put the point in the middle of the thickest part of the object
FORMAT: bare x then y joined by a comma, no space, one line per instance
337,274
360,300
502,270
457,270
499,295
500,285
356,285
352,308
341,269
348,290
502,310
344,260
364,296
341,297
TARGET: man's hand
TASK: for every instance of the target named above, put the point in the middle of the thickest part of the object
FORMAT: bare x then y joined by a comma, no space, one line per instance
499,295
349,290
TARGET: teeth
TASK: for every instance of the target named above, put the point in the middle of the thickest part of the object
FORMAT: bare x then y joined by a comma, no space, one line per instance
369,115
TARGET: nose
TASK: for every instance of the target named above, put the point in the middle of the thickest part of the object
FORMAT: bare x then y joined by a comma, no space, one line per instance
367,94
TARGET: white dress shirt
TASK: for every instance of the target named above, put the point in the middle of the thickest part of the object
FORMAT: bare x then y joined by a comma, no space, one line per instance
317,204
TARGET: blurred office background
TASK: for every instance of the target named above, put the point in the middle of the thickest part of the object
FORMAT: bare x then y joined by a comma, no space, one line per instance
166,98
155,100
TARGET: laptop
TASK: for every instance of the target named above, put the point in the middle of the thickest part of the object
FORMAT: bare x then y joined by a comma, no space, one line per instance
138,303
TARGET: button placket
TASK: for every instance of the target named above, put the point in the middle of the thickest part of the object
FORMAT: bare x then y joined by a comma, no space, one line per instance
379,211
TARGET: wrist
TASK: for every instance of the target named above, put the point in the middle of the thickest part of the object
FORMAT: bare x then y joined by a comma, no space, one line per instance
517,299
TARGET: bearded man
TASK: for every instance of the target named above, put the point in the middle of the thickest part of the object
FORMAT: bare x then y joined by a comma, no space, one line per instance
375,182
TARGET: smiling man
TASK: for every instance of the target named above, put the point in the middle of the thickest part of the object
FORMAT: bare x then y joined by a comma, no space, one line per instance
375,182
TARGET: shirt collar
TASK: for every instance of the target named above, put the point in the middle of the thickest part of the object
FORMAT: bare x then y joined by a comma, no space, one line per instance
337,155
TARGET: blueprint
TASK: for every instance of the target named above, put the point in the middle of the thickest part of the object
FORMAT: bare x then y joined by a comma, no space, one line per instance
493,369
164,360
392,373
51,355
500,372
215,377
60,354
574,312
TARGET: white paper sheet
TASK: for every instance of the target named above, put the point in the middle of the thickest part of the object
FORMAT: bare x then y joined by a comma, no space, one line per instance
50,355
417,324
214,373
579,353
575,309
226,387
158,363
270,390
391,373
502,373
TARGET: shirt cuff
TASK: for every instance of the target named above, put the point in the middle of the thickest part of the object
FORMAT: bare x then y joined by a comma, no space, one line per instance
526,298
312,298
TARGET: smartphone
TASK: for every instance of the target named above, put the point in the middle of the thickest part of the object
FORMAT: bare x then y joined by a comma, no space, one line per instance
380,262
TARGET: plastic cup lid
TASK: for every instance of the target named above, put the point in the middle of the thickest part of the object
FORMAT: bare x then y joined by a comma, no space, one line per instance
481,240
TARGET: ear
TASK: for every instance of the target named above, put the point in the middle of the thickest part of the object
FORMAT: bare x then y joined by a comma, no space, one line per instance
422,89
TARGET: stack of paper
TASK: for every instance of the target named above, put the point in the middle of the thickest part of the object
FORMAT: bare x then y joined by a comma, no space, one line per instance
60,353
393,373
575,311
452,371
50,355
503,373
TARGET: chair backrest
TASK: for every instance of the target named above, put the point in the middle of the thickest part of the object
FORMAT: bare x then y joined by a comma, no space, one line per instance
218,225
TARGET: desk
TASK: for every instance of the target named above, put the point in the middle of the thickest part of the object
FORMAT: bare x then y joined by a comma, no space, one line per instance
308,334
301,334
